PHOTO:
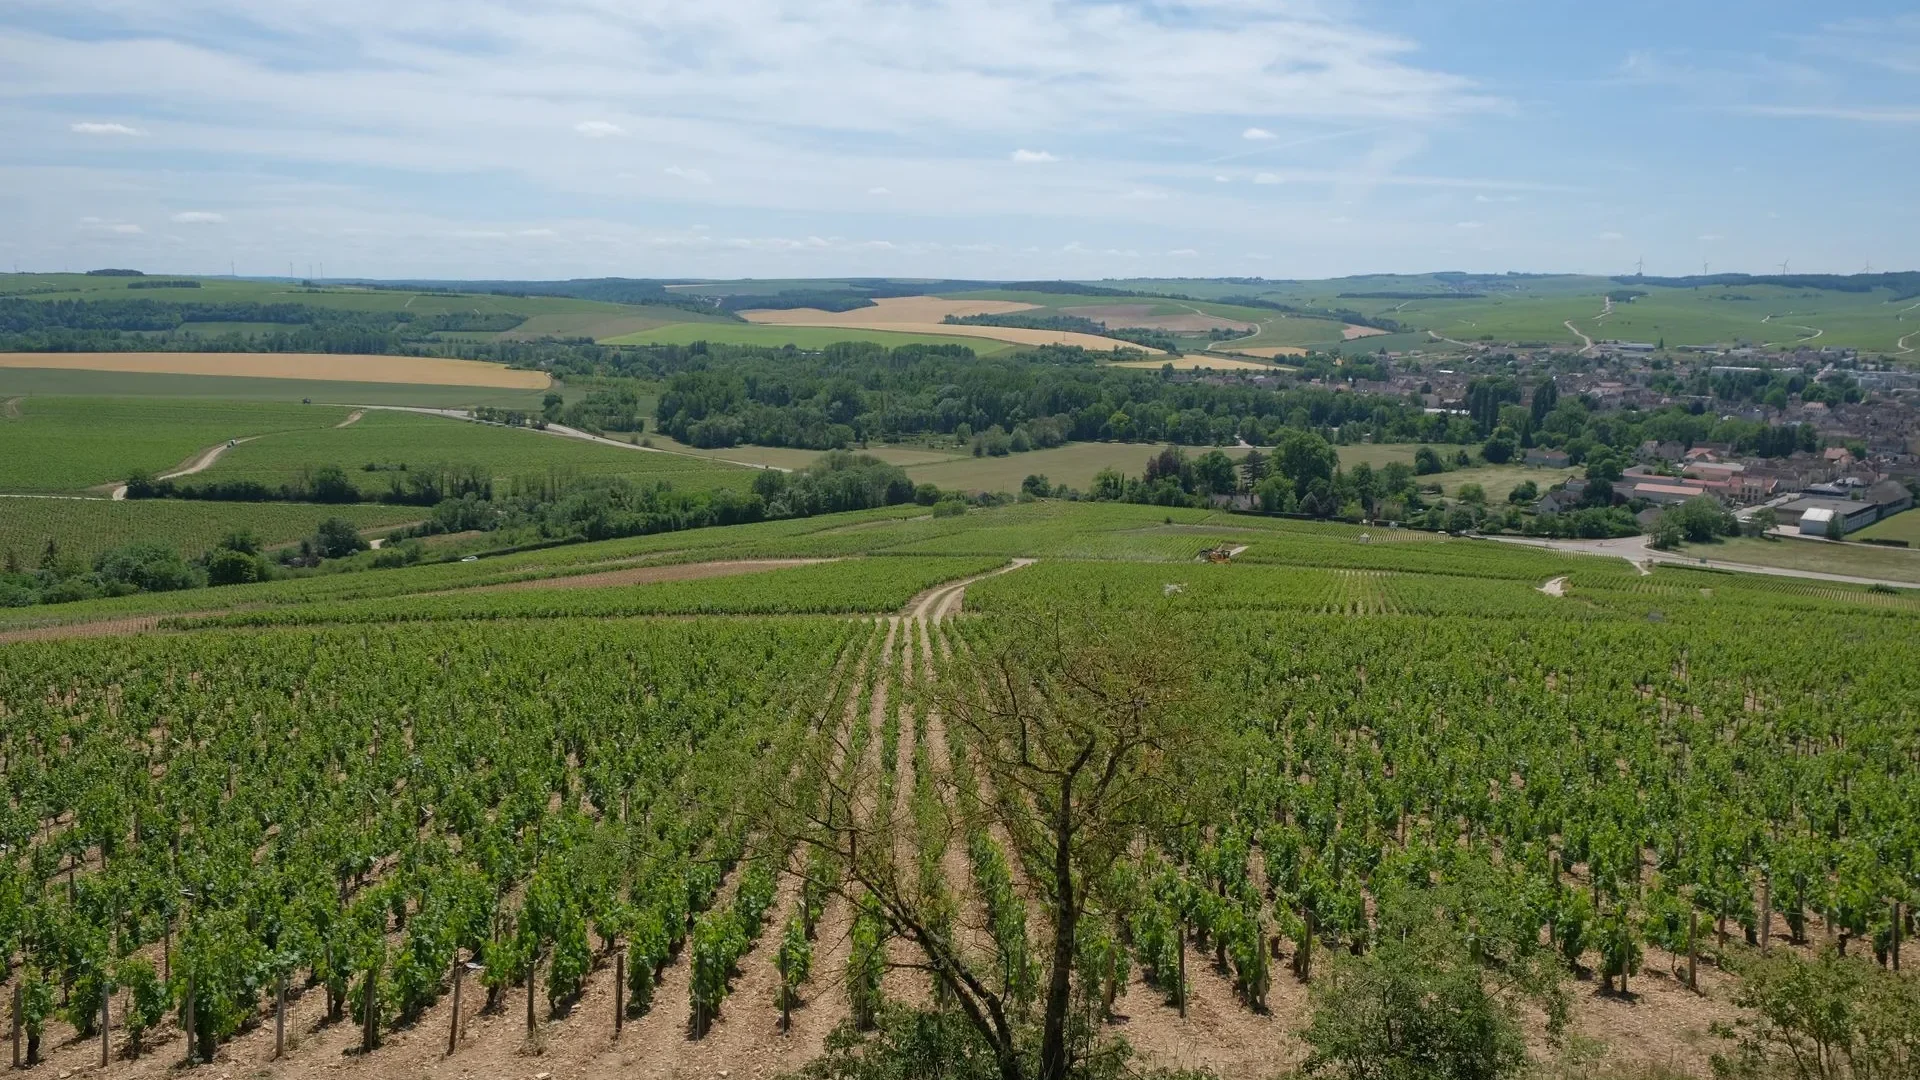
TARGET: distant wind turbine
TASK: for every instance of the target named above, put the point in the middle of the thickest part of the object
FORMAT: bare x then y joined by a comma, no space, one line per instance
1640,266
1783,267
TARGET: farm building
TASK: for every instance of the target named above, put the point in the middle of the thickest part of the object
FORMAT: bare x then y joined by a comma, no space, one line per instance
1810,517
1662,494
1552,459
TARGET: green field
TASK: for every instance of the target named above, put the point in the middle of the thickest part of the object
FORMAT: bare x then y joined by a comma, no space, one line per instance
26,382
1902,526
1852,560
1074,464
50,444
1533,310
389,440
215,290
88,527
802,337
1497,480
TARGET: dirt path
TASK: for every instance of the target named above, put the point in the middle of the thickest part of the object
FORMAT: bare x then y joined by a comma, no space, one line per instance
559,430
199,464
10,409
352,418
1902,343
940,597
1438,336
1585,341
1555,587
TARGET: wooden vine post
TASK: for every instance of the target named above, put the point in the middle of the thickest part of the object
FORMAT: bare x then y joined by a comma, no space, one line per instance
370,1013
619,988
280,1018
193,1041
1766,912
1183,965
19,1006
453,1026
106,1017
1693,949
531,965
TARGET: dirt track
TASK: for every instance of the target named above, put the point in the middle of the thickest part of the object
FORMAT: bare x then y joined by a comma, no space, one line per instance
206,459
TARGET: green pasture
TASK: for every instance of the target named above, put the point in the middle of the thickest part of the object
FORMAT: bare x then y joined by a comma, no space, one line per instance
54,444
393,442
39,382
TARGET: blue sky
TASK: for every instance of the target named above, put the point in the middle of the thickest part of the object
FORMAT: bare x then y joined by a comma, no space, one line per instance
969,138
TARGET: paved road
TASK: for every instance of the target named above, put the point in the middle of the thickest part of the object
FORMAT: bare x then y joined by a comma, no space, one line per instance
1635,550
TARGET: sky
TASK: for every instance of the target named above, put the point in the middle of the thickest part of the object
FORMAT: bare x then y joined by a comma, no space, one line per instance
957,138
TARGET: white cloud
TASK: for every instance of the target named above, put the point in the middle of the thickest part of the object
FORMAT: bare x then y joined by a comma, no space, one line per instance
691,176
1256,133
1145,195
199,217
1469,224
91,128
537,233
1223,180
1710,237
1269,178
599,129
1483,198
1033,157
879,191
1610,235
1182,253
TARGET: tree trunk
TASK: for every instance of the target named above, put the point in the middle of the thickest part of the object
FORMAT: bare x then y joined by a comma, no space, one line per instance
1053,1041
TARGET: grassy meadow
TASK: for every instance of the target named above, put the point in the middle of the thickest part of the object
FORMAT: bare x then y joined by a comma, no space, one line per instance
56,382
391,442
65,444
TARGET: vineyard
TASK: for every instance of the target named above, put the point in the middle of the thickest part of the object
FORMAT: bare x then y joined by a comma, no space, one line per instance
85,528
415,823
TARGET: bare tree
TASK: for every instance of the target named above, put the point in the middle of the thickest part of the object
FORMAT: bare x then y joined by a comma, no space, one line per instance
1077,739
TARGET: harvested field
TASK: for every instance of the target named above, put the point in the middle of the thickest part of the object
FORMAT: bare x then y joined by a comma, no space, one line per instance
1352,332
328,368
922,315
1194,363
1185,322
647,575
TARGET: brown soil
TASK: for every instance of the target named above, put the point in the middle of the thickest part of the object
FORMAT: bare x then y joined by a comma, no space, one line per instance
426,370
1352,332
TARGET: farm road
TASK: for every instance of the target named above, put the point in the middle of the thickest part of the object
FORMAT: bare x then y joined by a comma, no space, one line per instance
1635,549
200,464
557,429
